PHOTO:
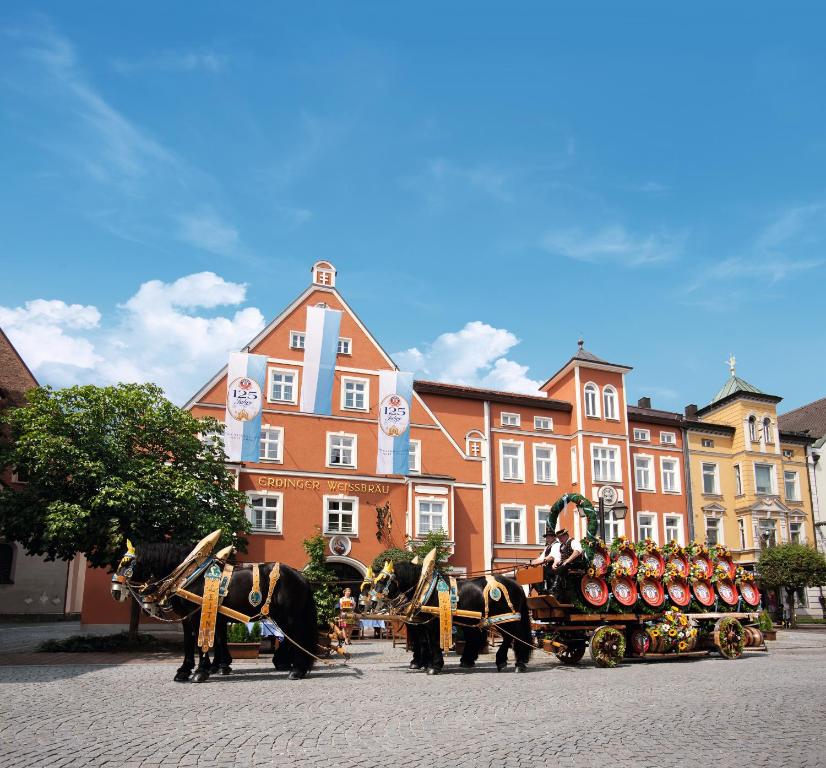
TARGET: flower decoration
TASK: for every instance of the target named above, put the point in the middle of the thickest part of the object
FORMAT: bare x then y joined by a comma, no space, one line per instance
743,576
676,631
720,573
696,573
720,551
646,546
646,572
673,548
616,570
619,544
672,572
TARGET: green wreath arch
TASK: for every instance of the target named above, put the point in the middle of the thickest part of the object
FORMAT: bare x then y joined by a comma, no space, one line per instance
585,505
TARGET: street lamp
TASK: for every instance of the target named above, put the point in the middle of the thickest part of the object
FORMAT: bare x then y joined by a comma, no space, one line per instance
620,511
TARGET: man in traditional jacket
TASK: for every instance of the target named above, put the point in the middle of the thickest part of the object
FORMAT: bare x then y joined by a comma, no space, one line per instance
546,559
564,553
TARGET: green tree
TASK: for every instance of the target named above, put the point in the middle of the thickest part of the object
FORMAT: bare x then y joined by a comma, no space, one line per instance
321,578
791,567
416,548
105,464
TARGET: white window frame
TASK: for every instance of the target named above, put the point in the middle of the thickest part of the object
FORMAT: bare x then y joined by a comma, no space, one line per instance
554,477
680,538
541,513
279,512
355,513
678,485
651,469
668,438
609,394
763,524
574,466
271,374
653,525
279,458
719,527
796,482
415,466
431,500
788,453
543,423
716,475
474,436
613,526
329,457
355,380
772,478
522,523
520,461
616,462
344,346
297,339
591,388
706,442
800,532
324,276
507,419
738,480
642,435
741,529
767,428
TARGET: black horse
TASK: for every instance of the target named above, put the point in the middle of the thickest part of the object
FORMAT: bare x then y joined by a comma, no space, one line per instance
398,587
292,608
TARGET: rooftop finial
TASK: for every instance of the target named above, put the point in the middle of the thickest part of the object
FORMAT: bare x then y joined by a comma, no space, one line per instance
581,342
732,363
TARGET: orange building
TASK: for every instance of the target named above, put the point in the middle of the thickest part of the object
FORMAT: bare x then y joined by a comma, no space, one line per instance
485,466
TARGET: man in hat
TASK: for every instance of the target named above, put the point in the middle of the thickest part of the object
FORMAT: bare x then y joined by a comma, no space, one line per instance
564,553
546,559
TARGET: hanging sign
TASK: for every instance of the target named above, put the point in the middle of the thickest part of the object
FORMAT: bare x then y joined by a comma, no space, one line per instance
395,398
245,384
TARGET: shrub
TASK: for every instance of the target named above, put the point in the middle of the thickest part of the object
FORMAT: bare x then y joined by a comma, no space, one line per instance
764,621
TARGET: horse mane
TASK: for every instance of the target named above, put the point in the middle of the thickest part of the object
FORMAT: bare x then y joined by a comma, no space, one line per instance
159,558
407,574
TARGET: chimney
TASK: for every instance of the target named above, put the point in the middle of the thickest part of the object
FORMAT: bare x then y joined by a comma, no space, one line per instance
691,411
644,402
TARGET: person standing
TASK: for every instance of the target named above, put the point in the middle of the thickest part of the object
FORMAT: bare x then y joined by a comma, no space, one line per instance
347,613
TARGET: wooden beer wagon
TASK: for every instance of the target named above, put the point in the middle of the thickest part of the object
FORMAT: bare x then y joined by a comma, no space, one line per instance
569,632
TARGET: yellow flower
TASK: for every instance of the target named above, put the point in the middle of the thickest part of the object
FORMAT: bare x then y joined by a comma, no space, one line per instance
672,632
683,645
694,633
655,633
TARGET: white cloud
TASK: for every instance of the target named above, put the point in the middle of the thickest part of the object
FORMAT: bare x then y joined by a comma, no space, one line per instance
474,356
174,61
440,179
208,231
613,244
162,335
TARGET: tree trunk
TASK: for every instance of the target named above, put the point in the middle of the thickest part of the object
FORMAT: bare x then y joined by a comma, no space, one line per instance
792,618
134,619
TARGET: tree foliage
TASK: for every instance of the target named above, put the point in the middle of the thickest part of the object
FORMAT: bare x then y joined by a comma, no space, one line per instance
321,578
792,566
416,548
105,464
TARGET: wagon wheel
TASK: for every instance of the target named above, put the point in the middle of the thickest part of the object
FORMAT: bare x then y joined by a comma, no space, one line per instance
607,646
729,637
573,653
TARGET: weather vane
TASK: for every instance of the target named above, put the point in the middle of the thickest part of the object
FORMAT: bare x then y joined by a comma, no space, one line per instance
732,362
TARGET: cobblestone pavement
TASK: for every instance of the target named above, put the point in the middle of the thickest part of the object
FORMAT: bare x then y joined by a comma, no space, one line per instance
761,710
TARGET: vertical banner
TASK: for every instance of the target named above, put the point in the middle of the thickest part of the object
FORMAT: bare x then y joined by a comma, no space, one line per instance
395,399
320,348
245,386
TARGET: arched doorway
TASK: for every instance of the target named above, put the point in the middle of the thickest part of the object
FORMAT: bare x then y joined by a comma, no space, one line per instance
349,572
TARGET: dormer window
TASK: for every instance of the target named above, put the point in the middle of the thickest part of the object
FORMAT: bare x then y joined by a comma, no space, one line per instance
296,340
324,274
345,346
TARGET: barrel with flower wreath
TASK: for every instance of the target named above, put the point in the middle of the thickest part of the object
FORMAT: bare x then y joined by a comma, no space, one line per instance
675,555
679,591
721,555
594,589
601,558
651,588
699,556
623,586
701,586
673,633
748,589
724,585
650,556
624,554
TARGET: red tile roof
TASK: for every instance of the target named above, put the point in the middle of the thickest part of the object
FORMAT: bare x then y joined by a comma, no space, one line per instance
809,418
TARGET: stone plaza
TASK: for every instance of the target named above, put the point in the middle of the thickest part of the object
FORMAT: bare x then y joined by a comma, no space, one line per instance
761,710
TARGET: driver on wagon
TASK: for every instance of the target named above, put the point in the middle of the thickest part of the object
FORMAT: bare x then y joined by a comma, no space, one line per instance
565,552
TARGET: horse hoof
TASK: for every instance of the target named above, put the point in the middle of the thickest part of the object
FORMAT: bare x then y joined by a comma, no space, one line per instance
414,665
467,664
297,674
226,670
501,667
182,677
433,671
200,676
521,668
214,669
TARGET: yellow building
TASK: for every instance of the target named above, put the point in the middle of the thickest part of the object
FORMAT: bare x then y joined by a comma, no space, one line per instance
749,481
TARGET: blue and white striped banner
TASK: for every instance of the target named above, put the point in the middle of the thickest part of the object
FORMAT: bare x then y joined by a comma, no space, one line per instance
245,387
320,348
395,403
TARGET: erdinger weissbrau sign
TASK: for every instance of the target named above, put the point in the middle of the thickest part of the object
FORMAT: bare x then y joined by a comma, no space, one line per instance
395,397
245,385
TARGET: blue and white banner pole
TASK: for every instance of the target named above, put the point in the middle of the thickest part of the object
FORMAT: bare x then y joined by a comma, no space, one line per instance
320,349
245,387
395,403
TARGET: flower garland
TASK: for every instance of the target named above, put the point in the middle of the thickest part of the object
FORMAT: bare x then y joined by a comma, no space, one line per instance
646,572
696,573
615,570
620,544
742,576
673,548
720,551
672,573
720,573
695,548
646,547
675,630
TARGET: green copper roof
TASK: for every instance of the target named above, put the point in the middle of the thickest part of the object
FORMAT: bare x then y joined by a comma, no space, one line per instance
733,385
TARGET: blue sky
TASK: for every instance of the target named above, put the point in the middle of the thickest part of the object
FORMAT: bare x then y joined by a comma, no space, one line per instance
489,185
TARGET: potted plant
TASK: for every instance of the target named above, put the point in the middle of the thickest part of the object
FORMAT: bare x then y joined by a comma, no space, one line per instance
764,622
244,643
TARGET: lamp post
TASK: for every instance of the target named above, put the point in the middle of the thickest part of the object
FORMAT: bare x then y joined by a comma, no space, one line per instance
620,511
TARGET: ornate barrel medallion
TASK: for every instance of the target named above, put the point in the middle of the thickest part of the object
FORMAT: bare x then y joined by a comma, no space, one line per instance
601,560
727,591
627,558
703,562
680,562
624,589
654,560
594,590
679,593
640,642
750,593
652,592
703,592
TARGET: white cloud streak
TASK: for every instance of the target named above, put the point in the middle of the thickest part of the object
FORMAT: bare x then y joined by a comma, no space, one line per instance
162,334
474,356
613,244
174,61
